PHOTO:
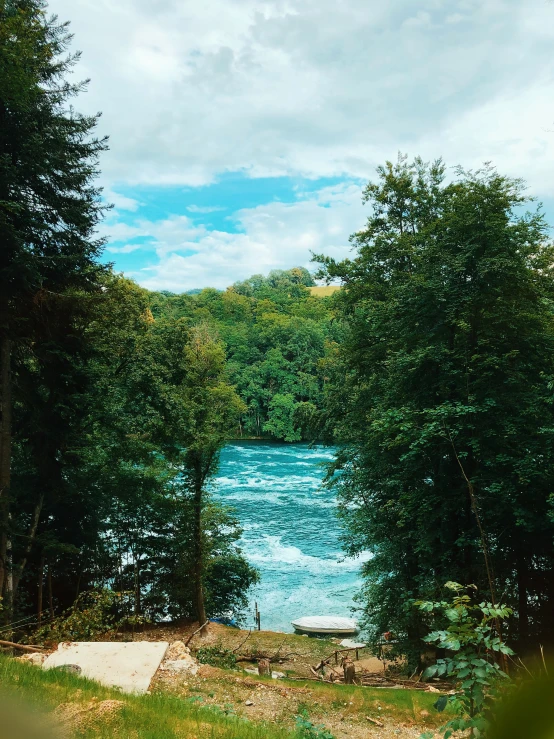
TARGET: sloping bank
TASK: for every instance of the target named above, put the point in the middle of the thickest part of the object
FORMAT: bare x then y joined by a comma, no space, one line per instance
37,703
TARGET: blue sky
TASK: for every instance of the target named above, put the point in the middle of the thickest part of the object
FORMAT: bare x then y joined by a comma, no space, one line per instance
242,131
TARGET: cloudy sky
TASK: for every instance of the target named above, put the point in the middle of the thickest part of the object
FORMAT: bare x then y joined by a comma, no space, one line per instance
241,131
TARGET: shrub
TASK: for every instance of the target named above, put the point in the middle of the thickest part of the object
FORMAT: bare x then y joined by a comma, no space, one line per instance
473,639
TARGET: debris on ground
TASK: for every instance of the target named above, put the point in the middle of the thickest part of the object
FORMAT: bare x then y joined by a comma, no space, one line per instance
35,658
178,659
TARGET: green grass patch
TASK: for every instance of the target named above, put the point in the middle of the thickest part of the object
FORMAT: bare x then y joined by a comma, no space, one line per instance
157,716
400,706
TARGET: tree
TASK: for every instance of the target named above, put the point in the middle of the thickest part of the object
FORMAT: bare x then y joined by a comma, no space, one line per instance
276,335
442,395
49,207
214,409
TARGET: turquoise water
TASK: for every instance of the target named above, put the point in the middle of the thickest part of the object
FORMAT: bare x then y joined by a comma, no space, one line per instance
291,533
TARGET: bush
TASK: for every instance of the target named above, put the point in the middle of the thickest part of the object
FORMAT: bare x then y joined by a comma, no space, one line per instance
307,730
473,640
217,656
94,614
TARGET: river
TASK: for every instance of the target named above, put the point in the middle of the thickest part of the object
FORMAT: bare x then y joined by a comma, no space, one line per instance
291,533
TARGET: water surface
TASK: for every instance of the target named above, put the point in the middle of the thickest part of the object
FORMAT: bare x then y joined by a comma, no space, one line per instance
291,533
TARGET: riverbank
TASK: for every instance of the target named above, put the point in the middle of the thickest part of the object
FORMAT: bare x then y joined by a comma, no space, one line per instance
233,701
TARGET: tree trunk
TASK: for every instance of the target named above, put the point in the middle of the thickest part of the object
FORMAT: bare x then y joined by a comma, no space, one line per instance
40,585
198,553
137,587
5,454
522,598
50,598
30,541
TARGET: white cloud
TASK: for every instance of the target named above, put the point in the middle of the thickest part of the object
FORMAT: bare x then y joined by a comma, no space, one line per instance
204,208
276,235
120,202
314,87
127,249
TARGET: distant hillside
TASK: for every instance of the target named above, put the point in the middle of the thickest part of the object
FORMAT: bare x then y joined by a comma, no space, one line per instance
324,290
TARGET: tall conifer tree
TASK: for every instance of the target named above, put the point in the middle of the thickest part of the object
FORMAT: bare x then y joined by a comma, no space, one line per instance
49,205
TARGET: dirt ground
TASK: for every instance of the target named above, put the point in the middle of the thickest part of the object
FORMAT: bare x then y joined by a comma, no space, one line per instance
296,653
348,711
351,712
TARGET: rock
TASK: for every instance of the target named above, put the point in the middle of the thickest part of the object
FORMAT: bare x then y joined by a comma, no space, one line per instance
188,665
278,675
177,650
178,659
72,669
36,658
248,703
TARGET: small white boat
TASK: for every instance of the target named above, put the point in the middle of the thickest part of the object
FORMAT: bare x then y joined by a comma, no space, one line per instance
325,625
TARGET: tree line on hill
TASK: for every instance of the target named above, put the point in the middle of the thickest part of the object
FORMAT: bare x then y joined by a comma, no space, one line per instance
431,372
279,340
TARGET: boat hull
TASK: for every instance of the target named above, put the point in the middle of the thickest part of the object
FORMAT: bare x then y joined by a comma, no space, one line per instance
324,625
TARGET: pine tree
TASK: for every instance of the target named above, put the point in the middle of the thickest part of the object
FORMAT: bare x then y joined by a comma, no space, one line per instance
49,206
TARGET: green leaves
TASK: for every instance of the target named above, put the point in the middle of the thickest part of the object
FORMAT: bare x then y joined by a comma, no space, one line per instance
443,375
441,704
469,636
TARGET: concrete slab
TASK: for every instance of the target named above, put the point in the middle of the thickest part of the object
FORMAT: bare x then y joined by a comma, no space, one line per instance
129,666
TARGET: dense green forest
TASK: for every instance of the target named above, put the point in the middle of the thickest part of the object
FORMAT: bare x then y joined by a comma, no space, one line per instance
279,341
431,372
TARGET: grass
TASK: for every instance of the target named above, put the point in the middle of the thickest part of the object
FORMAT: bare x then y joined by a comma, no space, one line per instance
157,716
324,291
401,706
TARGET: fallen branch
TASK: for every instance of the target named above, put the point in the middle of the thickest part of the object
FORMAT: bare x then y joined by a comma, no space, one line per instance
283,657
374,721
255,656
196,632
323,664
243,642
23,647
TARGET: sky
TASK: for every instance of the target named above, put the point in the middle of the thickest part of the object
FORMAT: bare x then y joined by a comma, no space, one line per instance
242,131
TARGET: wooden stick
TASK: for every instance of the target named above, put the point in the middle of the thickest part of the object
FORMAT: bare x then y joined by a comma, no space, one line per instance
243,642
23,647
196,632
374,721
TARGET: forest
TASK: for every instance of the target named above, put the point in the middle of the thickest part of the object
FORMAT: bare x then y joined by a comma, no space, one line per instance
430,372
279,339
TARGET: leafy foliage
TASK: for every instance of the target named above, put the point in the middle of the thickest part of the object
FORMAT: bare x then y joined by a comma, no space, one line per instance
92,615
277,338
307,730
443,381
49,212
217,656
473,640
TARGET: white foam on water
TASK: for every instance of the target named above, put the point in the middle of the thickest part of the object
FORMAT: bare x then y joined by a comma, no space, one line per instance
270,551
253,495
298,554
269,481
